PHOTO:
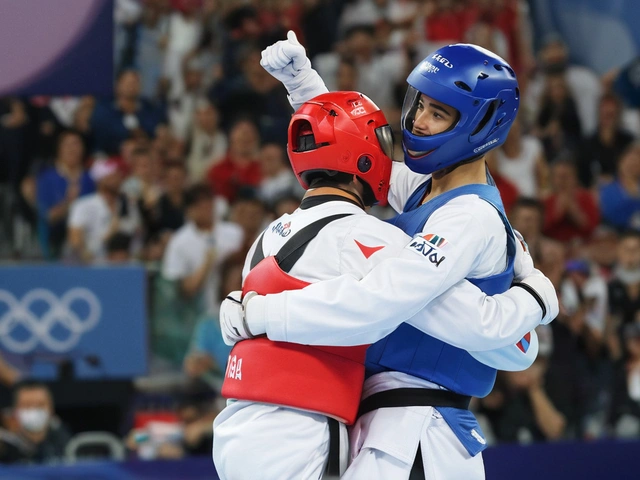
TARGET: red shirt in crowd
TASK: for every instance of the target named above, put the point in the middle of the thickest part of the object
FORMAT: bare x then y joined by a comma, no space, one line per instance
453,24
558,222
227,177
508,191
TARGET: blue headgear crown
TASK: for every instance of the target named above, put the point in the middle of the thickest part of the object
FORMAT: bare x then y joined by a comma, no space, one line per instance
480,85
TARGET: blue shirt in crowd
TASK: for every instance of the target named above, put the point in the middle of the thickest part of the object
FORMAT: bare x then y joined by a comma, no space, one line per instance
618,208
52,189
108,124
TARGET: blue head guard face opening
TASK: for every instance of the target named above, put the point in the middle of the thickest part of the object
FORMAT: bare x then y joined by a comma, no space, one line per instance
480,85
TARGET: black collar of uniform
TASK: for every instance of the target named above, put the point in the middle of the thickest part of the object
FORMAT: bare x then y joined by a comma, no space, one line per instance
316,200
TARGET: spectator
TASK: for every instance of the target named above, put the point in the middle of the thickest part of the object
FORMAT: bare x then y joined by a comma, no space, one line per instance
277,178
250,214
378,72
583,295
620,200
527,216
169,212
624,286
142,186
208,354
483,33
571,213
126,14
284,205
184,34
9,375
118,247
574,380
189,434
208,144
347,75
240,167
601,250
94,218
519,408
521,160
243,29
583,84
254,95
508,191
39,436
129,115
152,38
599,154
557,124
624,81
183,99
198,249
624,414
14,149
443,21
82,120
57,187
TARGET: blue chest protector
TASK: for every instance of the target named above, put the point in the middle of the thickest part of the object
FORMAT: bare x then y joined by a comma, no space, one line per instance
410,351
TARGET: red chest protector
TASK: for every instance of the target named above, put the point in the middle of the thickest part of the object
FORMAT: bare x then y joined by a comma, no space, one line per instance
326,380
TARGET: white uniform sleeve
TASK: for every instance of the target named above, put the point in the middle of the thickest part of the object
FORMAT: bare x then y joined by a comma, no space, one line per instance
467,318
348,311
510,358
402,184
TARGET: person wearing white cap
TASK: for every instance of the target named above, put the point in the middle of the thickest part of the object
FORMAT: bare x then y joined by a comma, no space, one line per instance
94,218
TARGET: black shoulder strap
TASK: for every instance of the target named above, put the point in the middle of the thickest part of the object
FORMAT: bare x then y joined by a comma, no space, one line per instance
257,255
291,251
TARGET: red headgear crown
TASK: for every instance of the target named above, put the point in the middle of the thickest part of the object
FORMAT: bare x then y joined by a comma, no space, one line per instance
342,132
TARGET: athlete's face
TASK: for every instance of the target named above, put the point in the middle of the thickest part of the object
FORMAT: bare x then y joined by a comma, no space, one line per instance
433,117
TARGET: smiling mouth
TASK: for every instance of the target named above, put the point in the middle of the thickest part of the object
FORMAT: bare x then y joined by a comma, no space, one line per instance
414,154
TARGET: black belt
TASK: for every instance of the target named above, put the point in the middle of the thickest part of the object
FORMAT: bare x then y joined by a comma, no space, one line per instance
413,397
333,462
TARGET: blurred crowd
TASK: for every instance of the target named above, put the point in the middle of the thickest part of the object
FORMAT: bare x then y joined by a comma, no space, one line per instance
186,164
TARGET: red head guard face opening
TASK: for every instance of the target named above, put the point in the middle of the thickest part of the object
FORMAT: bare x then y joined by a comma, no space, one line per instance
342,132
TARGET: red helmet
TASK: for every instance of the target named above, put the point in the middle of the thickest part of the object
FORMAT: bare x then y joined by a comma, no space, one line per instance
342,132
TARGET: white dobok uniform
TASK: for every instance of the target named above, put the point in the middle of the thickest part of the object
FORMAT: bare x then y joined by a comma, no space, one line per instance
372,281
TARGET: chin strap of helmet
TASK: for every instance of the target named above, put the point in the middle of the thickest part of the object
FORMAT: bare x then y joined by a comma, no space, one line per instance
441,173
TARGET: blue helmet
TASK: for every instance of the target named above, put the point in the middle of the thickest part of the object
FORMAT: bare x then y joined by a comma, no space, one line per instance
480,85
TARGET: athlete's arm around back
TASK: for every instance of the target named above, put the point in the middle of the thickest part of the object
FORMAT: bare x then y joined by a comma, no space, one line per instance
349,310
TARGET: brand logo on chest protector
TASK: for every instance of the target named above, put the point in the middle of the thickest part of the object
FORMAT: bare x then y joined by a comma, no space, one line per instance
424,247
234,368
282,229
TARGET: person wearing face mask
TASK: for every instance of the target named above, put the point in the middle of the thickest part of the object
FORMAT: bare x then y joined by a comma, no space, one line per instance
38,436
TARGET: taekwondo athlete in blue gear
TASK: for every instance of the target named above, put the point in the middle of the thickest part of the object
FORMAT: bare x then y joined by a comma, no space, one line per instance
484,91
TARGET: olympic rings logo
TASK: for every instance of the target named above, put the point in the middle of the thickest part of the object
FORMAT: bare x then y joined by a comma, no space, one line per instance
59,314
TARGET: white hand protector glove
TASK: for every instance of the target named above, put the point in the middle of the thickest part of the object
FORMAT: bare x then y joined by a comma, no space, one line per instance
541,288
287,61
523,263
233,323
